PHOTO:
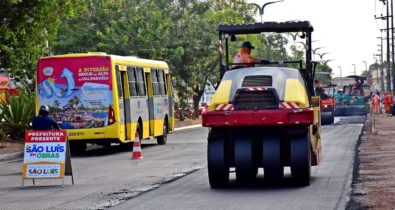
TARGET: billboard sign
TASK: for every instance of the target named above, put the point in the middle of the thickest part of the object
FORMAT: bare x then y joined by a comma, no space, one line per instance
78,90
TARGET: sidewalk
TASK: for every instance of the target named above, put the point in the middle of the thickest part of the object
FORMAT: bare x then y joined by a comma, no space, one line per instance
10,150
373,184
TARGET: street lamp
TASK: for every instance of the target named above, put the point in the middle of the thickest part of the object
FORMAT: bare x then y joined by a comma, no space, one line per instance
326,61
355,69
304,45
322,54
341,78
366,65
315,50
261,9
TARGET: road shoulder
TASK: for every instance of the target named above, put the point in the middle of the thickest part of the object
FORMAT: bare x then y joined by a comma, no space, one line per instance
374,166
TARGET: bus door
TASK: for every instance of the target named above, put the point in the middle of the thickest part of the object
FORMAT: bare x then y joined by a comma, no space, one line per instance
122,96
136,105
158,100
150,100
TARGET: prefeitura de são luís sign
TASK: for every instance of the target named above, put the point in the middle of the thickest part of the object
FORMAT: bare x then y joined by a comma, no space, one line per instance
44,154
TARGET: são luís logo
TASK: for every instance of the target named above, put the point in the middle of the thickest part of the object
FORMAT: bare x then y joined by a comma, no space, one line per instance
37,151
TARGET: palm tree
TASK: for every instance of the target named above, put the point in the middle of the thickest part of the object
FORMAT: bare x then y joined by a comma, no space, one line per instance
76,100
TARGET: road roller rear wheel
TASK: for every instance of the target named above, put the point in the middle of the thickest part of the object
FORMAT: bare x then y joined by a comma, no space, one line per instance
218,170
327,118
300,158
246,169
271,159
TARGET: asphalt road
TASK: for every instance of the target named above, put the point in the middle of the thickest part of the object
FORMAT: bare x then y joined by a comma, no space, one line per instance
174,176
330,186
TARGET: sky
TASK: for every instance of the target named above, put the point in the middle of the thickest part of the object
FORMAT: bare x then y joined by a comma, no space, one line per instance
346,29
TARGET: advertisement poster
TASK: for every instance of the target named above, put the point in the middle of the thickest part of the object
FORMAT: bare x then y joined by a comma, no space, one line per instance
78,90
44,154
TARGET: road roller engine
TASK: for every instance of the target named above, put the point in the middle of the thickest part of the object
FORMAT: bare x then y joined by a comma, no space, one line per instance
264,115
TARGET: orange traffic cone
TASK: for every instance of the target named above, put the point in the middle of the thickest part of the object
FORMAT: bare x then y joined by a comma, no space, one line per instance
137,154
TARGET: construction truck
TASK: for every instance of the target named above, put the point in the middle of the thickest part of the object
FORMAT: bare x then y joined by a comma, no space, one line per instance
328,105
353,100
264,116
327,101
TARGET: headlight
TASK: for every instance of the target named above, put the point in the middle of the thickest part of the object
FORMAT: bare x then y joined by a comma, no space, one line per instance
325,106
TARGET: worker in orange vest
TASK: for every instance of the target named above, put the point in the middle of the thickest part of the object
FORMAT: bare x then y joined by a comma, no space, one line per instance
387,102
244,58
376,102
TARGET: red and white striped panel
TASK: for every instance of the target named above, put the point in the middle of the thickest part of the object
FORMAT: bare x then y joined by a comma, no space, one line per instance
289,105
220,47
256,89
224,107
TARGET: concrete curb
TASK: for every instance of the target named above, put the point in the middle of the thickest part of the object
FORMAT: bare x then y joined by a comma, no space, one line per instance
188,127
10,156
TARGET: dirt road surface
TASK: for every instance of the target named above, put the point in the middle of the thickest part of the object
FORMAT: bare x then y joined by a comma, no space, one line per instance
374,177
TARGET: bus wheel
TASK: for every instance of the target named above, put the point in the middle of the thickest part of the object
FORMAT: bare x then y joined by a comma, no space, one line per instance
77,147
162,140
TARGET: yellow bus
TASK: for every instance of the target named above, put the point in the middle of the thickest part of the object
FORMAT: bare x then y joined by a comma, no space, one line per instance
101,98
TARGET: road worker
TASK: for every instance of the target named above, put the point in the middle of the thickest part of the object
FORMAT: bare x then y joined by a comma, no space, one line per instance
243,57
376,102
319,90
387,102
43,121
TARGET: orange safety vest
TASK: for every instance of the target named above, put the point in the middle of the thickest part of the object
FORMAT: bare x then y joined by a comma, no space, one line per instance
376,103
387,102
244,57
387,99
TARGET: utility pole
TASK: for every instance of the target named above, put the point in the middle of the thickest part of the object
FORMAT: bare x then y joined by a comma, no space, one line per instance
393,51
388,47
382,65
377,70
388,78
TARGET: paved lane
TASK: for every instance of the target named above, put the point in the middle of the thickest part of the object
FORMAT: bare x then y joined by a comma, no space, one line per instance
329,189
106,177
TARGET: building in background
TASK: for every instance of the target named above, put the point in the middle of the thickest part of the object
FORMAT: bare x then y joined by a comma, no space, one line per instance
208,93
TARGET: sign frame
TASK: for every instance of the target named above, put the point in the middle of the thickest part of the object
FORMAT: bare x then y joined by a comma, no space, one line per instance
46,156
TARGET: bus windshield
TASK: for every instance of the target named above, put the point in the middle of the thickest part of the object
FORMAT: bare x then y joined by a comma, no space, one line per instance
78,90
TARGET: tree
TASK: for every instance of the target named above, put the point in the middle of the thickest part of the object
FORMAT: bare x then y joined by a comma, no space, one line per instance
181,32
26,26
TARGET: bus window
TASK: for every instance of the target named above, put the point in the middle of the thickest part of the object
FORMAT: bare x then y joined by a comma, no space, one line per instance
132,81
119,83
161,80
140,81
155,83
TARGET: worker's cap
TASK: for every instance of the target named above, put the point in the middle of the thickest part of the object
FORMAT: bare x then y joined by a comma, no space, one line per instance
316,81
247,45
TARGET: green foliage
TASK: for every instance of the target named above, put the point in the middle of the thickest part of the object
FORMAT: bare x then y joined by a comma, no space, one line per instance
181,32
17,116
25,28
324,78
